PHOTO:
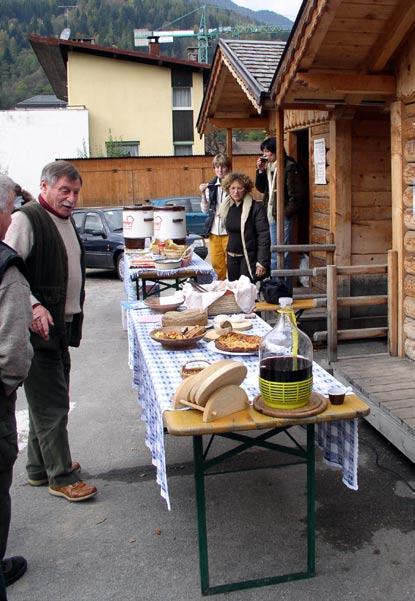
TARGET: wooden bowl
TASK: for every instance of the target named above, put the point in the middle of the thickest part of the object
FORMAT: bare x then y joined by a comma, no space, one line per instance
174,343
161,304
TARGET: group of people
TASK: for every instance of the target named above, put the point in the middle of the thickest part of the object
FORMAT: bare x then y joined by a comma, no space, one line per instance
42,278
241,230
42,281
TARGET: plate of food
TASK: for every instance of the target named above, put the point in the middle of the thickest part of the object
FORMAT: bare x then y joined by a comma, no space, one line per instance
236,343
162,304
178,337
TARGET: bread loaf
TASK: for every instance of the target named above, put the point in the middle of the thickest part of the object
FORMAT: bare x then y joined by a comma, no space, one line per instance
189,317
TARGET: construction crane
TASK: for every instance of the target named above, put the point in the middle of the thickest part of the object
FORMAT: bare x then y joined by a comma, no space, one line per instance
203,35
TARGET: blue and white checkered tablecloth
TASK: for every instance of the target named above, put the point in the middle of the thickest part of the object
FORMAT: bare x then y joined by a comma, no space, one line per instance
156,375
204,271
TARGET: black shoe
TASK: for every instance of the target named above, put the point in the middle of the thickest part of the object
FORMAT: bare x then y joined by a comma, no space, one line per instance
13,568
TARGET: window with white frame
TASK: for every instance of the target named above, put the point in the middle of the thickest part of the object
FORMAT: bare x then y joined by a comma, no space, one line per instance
181,150
182,98
122,148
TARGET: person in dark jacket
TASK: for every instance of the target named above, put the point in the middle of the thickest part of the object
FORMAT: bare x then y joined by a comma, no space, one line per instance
248,250
265,182
212,197
15,357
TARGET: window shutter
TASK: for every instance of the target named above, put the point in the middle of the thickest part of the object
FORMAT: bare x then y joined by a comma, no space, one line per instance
183,126
181,78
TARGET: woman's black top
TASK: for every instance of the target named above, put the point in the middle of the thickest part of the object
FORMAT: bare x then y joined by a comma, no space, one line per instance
233,227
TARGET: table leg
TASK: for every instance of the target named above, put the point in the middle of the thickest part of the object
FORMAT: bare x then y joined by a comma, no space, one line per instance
202,464
201,512
311,501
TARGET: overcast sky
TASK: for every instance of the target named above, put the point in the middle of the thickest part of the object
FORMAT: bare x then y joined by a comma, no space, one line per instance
288,8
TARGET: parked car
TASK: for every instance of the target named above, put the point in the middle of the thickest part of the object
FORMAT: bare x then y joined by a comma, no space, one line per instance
195,219
101,231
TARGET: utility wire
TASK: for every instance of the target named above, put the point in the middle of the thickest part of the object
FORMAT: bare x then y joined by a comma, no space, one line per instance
387,469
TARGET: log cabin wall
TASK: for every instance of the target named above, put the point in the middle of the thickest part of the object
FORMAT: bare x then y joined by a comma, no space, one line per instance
126,180
403,138
358,150
371,204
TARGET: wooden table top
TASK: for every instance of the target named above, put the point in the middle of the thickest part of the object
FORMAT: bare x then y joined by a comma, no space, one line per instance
298,305
189,423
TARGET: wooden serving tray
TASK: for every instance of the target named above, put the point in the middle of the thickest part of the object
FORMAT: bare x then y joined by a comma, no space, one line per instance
317,404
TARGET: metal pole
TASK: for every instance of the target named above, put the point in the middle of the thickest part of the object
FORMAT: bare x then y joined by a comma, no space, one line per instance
311,501
201,513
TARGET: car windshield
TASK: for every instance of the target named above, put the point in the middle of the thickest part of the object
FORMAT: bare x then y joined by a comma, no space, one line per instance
114,219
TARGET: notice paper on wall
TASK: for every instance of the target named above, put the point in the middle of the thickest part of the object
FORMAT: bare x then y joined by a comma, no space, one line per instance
320,161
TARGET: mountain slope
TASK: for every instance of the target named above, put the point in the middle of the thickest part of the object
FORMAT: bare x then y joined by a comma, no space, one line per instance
109,22
263,16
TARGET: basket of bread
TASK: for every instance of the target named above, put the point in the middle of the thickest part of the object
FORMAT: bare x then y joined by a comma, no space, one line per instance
171,250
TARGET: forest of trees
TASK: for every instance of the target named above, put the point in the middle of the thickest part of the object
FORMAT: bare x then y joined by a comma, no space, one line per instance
109,22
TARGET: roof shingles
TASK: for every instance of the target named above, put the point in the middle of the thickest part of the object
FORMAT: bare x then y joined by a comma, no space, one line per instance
259,59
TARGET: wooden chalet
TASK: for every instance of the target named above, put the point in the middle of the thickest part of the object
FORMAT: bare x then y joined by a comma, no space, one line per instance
345,82
238,92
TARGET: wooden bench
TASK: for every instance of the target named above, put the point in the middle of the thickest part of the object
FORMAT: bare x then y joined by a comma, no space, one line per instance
299,305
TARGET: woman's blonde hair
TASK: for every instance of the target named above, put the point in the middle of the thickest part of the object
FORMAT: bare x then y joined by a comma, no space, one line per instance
245,180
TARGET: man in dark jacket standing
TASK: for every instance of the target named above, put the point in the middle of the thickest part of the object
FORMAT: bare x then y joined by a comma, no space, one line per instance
265,182
15,356
44,235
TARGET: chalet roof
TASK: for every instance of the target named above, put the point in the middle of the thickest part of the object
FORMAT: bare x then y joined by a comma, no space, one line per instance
241,74
52,54
340,52
256,60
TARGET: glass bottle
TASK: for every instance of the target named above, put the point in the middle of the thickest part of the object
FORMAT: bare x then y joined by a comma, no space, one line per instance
286,362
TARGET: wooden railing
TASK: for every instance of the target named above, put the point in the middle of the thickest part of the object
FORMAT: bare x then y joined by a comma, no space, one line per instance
329,249
332,335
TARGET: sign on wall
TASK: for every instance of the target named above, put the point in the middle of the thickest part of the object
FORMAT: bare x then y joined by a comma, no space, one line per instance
320,161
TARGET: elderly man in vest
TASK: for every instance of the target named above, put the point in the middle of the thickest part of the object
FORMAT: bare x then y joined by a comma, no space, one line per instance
15,357
44,235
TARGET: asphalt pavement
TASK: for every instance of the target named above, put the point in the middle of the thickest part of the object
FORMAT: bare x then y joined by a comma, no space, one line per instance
125,545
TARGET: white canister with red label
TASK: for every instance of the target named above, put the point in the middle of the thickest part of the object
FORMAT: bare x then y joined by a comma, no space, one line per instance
138,224
170,224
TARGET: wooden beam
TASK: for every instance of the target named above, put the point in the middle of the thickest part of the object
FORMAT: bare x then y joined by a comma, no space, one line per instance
216,90
229,146
345,83
280,185
331,313
393,302
315,40
397,209
340,186
340,189
238,123
397,27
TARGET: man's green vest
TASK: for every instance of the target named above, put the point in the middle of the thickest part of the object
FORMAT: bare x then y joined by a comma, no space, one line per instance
47,274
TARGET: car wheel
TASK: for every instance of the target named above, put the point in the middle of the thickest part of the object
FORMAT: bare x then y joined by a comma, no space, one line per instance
120,266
